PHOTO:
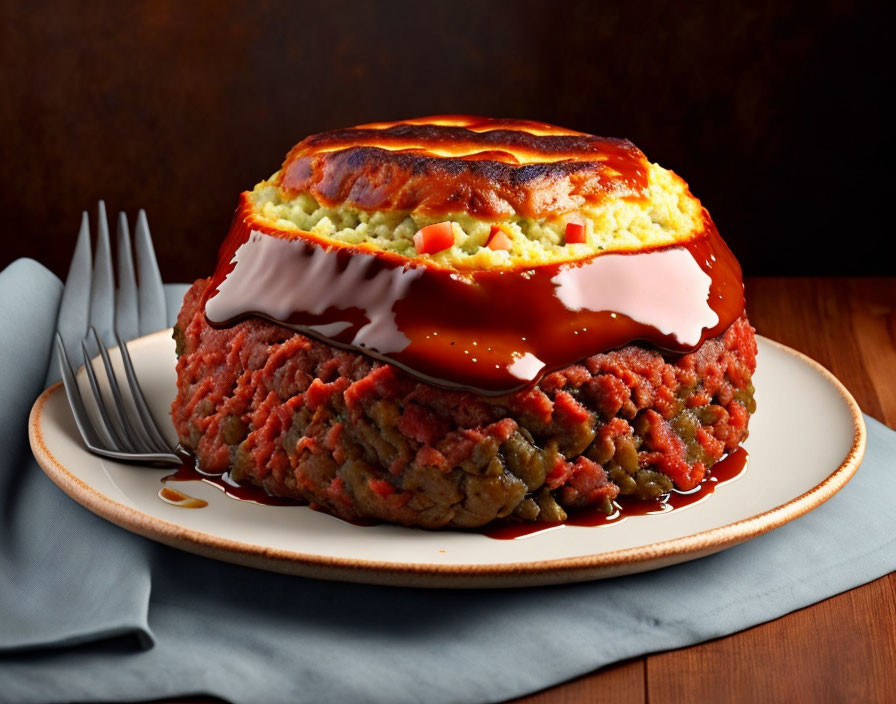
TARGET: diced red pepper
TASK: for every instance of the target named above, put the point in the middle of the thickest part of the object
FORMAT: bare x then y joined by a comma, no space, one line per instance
434,238
381,487
498,239
575,233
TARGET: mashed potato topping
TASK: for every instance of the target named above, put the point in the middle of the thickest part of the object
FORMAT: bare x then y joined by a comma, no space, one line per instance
668,214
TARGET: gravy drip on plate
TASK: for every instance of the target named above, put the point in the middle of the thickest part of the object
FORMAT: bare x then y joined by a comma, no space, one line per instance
187,472
490,332
724,470
180,499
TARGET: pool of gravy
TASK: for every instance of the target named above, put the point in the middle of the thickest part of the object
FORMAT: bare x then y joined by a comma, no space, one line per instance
726,469
187,472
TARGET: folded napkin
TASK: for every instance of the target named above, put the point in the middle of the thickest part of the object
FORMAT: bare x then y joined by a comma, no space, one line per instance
89,611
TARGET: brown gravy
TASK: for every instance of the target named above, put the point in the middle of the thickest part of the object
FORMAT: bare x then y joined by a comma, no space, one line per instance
187,472
723,471
178,498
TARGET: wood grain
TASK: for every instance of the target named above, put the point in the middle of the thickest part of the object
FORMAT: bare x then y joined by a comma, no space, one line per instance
620,684
842,649
811,656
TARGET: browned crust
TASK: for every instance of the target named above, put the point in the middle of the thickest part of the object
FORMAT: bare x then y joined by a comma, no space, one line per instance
486,167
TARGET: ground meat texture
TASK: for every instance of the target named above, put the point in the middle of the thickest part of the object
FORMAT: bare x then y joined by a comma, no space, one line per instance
363,440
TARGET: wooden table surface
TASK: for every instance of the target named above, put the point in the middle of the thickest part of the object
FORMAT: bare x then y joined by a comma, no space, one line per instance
844,648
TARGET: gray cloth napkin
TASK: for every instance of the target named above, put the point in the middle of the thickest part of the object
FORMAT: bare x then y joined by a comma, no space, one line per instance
89,611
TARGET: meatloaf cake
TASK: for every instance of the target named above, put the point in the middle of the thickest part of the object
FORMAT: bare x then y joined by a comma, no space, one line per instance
447,321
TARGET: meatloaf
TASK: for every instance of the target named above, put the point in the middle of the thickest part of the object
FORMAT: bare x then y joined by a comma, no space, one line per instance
362,439
448,321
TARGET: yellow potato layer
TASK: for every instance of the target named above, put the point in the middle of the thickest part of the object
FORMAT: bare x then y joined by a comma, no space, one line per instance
667,215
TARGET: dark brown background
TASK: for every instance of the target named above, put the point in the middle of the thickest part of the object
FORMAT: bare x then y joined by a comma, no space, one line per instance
771,111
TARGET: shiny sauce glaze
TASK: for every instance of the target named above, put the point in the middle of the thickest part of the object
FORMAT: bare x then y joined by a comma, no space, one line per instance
188,472
490,332
180,499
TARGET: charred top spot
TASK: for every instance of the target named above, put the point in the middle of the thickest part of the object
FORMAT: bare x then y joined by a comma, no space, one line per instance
485,167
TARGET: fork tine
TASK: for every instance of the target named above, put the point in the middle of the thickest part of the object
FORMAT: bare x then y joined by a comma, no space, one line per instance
127,322
89,304
106,427
102,290
121,423
82,418
140,400
126,297
74,307
87,427
151,294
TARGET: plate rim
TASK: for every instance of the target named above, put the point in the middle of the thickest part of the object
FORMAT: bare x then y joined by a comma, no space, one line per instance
528,573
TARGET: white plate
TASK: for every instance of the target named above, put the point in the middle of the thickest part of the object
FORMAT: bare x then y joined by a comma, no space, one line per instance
806,440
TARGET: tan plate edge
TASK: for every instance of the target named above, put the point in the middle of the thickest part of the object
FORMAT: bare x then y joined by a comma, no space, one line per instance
459,576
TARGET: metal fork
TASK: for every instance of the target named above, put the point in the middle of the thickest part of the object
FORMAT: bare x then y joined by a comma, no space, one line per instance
92,315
